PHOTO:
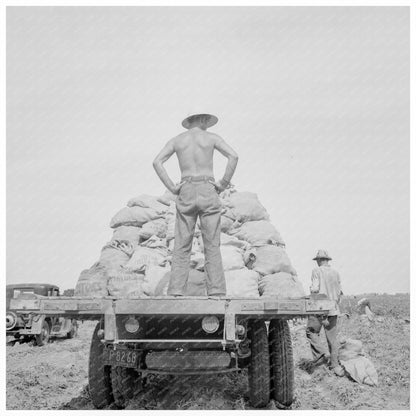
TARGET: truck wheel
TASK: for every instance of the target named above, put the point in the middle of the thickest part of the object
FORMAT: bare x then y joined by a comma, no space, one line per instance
281,362
99,375
73,331
125,382
259,368
45,333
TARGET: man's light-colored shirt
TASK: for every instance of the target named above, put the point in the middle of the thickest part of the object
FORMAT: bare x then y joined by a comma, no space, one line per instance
326,280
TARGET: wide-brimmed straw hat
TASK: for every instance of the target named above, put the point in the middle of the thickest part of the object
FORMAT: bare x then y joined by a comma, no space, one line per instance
211,119
322,254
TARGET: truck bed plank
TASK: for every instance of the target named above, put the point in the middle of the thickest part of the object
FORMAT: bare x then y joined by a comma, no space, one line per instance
90,308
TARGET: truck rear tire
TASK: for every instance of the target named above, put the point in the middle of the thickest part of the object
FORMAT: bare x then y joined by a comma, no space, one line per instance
282,375
45,333
259,368
125,382
99,375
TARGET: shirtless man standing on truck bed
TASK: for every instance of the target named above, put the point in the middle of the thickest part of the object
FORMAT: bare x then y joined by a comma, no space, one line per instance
197,196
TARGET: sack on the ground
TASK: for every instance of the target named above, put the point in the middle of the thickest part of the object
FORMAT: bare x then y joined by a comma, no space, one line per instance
242,283
153,275
245,206
144,257
232,258
147,201
272,259
258,233
92,282
136,216
350,348
362,370
123,283
281,285
166,198
127,233
229,240
195,286
116,253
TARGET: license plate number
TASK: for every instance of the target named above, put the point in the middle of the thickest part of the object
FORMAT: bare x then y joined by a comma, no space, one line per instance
123,358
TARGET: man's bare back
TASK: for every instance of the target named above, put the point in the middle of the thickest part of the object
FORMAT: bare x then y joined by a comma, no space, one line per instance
195,151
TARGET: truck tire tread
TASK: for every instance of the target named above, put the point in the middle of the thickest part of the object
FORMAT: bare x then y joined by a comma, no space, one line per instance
282,375
99,375
125,383
259,368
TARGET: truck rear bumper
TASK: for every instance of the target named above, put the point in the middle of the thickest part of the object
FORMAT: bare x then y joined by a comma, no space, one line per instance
187,360
190,372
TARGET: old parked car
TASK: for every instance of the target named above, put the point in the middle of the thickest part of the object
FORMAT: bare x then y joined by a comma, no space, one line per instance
40,328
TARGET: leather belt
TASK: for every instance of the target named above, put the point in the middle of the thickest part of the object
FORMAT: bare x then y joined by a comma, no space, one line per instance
197,178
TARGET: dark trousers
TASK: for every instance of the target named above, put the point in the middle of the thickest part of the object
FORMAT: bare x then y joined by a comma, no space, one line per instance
197,198
313,330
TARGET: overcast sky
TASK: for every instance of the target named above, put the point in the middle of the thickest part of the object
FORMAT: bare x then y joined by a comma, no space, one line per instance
314,100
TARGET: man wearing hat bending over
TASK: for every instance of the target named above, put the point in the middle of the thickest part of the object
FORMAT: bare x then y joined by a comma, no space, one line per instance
325,280
197,196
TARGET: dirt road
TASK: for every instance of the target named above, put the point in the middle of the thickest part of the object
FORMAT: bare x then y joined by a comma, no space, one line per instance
55,376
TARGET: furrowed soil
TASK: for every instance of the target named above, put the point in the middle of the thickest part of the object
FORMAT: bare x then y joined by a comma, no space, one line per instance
55,376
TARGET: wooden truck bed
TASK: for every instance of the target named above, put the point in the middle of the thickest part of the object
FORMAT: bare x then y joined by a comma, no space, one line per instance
94,308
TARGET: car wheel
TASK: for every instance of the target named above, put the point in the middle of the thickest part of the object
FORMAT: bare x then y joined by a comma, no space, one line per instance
45,333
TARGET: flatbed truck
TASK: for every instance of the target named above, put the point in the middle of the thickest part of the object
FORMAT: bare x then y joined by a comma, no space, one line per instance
184,336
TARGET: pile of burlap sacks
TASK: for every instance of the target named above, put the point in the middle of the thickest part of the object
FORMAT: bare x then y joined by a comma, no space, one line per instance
137,260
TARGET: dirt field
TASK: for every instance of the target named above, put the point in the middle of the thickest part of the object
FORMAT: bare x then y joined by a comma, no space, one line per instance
55,376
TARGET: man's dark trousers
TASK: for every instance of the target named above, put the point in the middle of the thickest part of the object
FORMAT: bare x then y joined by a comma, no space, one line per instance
197,197
313,330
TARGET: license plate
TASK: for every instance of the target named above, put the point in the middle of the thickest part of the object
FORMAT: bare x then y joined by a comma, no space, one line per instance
123,358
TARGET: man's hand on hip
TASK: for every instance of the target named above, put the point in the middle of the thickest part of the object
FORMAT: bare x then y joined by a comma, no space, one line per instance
219,186
176,188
